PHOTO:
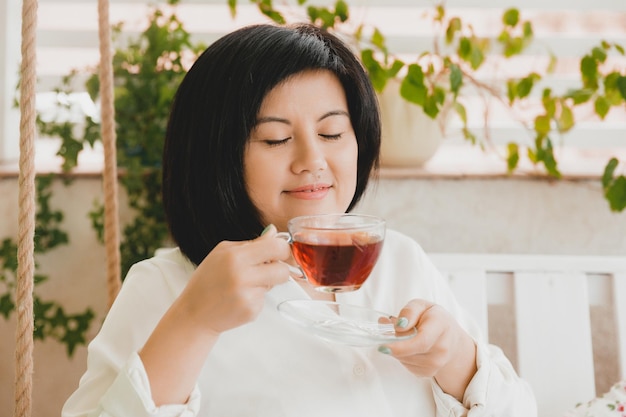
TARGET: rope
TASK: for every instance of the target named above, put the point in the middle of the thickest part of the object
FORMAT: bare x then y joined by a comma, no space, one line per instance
111,216
26,216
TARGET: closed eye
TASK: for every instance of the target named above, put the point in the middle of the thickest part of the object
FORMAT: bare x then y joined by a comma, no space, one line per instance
278,142
331,137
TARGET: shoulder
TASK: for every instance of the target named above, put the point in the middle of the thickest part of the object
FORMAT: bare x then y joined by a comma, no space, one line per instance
161,277
148,290
166,263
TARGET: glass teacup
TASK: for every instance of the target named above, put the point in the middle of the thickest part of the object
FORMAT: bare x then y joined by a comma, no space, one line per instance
336,252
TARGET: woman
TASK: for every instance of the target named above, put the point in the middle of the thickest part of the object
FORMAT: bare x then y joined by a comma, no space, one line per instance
272,123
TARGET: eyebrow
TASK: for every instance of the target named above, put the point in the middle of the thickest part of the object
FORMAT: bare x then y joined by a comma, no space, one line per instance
269,119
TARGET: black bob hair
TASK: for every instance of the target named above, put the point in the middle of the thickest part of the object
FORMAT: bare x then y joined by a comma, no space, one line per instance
214,111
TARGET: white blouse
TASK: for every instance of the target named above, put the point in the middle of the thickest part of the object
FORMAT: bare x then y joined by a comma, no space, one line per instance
272,367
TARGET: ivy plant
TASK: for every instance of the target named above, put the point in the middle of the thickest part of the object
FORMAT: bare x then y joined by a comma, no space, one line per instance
50,318
437,78
147,71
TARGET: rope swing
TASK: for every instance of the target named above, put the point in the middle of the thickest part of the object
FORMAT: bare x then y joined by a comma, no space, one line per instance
107,126
27,197
26,215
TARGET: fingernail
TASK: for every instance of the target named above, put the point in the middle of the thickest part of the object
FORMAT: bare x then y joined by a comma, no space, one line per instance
384,349
267,229
402,322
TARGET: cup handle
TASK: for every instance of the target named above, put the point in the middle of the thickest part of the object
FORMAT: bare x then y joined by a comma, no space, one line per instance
285,236
295,272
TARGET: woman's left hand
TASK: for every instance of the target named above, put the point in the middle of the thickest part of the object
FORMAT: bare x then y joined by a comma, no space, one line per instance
441,348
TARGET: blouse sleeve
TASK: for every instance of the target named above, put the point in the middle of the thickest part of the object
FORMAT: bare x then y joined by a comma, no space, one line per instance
495,389
115,383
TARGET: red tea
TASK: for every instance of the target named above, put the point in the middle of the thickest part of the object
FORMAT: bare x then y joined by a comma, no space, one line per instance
337,267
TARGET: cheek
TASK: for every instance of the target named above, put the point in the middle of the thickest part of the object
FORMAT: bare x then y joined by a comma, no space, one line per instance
347,165
261,181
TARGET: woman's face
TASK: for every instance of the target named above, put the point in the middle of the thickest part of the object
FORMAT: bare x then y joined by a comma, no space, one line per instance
301,157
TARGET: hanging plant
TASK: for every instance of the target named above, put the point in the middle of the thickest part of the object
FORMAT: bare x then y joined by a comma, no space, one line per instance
146,70
51,319
438,77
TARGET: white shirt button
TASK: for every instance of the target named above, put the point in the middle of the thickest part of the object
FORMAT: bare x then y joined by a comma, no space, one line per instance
358,370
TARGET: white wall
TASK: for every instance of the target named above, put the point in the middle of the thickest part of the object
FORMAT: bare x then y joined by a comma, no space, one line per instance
501,215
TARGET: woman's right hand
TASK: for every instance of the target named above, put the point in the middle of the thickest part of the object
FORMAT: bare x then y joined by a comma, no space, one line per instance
225,291
228,288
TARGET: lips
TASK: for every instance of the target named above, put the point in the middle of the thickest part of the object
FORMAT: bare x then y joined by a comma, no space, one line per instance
310,191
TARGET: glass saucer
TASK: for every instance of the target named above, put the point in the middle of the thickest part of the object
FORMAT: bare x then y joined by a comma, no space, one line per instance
343,323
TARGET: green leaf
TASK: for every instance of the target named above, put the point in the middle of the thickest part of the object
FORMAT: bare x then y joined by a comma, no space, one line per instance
341,10
589,72
460,110
615,193
376,72
525,86
456,79
602,106
327,18
549,103
512,156
511,90
477,58
313,13
611,91
232,5
274,15
510,17
464,49
378,39
621,85
542,124
431,109
545,154
6,305
413,87
395,68
599,54
528,31
441,12
468,135
454,26
566,119
513,47
321,16
579,96
609,170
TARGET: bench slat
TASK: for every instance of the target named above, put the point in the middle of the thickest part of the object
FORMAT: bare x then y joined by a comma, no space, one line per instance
554,338
470,288
619,305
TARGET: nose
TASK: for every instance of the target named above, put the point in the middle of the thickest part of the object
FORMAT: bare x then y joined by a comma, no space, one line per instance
309,155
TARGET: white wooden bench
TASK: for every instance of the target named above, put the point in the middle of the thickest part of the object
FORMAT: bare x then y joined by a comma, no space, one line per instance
550,298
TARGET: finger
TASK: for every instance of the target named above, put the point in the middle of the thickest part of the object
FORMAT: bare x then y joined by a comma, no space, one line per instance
271,274
266,248
293,271
416,315
411,314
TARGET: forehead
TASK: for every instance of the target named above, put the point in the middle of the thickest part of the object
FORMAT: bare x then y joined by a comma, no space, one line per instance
312,88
